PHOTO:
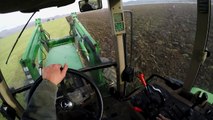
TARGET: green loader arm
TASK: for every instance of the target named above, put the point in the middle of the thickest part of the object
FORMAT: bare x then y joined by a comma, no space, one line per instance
33,52
87,49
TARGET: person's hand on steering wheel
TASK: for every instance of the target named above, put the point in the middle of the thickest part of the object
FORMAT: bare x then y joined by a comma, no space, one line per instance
43,100
54,74
42,95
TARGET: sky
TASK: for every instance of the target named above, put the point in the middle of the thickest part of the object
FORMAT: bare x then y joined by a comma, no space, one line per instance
11,20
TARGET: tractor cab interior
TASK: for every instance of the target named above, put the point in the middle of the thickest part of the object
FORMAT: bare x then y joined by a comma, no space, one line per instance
97,88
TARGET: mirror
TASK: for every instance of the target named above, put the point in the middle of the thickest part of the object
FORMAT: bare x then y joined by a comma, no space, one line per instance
89,5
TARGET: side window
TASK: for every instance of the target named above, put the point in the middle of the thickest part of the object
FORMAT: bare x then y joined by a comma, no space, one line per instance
163,38
206,72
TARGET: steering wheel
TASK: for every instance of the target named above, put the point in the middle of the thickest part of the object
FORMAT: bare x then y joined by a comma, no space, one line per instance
76,97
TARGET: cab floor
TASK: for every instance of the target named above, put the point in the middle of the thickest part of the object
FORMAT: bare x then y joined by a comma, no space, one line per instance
116,110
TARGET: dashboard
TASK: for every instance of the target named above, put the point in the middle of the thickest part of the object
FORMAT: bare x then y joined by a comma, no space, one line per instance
158,100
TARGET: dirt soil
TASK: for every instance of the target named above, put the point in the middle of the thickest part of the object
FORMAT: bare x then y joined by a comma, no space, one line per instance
163,39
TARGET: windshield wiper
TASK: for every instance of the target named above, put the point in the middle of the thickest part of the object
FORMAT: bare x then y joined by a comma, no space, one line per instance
19,37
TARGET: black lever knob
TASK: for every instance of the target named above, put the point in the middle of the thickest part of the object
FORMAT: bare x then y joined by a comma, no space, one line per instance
200,99
203,98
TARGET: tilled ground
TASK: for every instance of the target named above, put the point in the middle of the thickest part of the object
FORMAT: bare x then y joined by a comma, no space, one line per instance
163,39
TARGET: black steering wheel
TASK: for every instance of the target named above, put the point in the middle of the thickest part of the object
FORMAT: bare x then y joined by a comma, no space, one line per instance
78,97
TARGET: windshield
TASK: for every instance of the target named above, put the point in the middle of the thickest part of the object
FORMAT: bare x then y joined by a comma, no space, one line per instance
164,34
10,27
163,38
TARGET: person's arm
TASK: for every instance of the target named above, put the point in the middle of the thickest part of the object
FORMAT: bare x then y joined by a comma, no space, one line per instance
42,103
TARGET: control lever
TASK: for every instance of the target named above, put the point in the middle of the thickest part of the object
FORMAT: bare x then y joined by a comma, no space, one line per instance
142,80
148,100
200,100
149,88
